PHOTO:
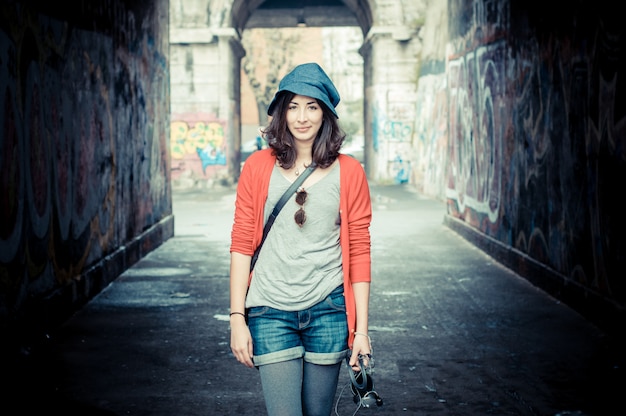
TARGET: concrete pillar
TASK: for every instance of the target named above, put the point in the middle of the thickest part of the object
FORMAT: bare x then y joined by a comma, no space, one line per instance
205,105
229,90
391,64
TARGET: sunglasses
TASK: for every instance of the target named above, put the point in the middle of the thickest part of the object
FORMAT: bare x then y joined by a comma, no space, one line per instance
300,215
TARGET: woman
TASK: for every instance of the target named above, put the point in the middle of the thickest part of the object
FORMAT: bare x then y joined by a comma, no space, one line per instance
307,299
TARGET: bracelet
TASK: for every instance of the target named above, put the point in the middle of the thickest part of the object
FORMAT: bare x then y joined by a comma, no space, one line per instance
369,340
237,313
369,356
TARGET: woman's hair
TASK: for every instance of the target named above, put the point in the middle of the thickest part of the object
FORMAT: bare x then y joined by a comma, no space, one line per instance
325,147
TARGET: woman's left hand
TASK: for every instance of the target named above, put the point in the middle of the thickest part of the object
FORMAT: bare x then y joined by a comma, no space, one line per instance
362,347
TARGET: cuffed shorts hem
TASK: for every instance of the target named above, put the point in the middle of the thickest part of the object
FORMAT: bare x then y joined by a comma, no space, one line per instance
279,356
328,358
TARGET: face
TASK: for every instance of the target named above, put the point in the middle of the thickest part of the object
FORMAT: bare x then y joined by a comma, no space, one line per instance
304,118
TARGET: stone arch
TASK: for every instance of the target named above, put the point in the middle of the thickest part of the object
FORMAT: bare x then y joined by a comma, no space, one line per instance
249,14
242,10
206,49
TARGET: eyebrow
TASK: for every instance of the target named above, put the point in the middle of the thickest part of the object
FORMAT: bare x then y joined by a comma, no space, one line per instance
314,101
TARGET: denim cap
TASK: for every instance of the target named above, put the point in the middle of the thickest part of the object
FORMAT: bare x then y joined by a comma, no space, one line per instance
309,80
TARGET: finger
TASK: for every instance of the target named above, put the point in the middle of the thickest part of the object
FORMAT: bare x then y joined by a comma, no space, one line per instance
244,357
250,349
249,363
353,360
239,355
357,359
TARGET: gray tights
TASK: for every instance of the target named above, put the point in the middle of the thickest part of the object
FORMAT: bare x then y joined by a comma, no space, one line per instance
295,387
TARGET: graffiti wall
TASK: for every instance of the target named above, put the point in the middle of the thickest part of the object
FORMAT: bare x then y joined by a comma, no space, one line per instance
198,148
392,133
537,135
84,150
431,134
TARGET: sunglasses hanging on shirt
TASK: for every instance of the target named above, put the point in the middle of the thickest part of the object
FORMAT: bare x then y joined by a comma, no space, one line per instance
279,205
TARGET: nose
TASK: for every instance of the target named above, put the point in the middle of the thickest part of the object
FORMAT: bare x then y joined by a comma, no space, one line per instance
302,115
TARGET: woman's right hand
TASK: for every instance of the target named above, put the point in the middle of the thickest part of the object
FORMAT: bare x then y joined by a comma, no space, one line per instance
241,340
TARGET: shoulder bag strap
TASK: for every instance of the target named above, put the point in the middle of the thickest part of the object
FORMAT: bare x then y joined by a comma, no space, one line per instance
279,205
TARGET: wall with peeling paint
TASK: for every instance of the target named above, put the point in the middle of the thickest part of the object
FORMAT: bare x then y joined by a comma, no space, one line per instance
84,150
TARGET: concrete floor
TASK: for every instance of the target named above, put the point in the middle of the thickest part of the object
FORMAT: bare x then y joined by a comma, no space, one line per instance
453,332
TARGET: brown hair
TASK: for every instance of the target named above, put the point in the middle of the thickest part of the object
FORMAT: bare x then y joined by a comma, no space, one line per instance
325,147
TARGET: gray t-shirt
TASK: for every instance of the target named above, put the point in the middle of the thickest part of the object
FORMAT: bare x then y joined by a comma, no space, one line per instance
299,267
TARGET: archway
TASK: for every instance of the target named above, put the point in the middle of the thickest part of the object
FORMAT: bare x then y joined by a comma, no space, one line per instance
279,35
206,66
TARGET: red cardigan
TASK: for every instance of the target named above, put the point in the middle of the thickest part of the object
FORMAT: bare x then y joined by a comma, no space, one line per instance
354,207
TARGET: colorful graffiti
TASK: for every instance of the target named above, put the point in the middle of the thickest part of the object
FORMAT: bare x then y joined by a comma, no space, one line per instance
203,139
477,124
431,132
392,134
536,140
82,142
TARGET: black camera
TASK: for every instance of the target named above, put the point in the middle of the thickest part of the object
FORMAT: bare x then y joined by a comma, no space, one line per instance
362,385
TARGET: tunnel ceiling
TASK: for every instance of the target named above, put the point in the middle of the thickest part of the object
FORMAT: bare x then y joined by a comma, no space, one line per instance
294,13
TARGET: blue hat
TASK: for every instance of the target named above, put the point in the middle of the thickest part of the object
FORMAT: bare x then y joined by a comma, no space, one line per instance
309,80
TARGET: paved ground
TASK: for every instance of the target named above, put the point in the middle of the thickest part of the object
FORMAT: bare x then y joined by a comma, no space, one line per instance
453,332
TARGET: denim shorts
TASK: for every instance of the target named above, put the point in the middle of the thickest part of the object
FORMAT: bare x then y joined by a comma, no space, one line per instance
319,334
